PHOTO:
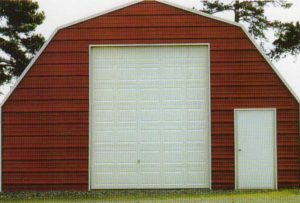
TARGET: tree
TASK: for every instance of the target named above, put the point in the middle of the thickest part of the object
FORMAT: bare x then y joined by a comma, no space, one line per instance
288,40
18,42
252,14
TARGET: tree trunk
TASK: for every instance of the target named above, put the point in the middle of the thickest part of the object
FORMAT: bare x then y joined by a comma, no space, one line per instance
237,11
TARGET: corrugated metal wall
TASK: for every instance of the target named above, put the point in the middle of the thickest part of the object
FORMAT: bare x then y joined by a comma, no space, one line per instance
45,121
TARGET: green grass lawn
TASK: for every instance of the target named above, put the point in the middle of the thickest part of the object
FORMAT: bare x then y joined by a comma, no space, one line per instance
282,196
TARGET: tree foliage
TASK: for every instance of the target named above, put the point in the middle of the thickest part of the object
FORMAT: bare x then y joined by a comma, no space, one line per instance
251,13
18,41
287,40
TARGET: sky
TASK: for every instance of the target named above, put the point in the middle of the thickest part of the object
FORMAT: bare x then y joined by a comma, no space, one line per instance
60,12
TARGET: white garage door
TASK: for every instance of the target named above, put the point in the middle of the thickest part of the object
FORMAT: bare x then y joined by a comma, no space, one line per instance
149,117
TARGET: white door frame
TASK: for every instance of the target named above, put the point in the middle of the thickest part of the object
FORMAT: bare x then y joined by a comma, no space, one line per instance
236,143
147,45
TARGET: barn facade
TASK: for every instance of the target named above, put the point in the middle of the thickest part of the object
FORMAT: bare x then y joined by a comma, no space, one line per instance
150,95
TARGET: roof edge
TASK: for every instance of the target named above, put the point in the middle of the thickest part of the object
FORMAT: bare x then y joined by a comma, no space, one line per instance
132,3
199,12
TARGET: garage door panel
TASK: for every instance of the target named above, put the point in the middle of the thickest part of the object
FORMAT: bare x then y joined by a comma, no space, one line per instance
181,104
174,156
124,157
150,156
174,147
111,180
116,126
150,116
122,136
196,115
196,178
150,136
196,94
110,147
151,146
106,177
197,166
127,178
120,167
126,94
173,136
194,125
104,116
175,179
194,83
158,94
196,73
129,115
194,138
173,94
104,73
150,180
197,156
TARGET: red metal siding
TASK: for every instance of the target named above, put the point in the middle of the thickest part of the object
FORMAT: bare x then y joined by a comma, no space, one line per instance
45,120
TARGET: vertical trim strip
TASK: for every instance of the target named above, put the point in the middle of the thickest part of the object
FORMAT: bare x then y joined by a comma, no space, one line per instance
209,117
275,150
236,181
90,120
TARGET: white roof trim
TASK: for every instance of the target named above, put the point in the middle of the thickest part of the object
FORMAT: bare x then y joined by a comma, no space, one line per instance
198,12
135,2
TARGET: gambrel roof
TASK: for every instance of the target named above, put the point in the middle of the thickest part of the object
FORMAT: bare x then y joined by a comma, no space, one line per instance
163,2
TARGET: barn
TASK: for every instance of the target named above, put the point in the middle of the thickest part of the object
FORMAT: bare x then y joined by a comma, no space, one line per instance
150,95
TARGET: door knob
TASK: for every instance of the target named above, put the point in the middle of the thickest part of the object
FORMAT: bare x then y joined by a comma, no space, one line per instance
138,161
239,150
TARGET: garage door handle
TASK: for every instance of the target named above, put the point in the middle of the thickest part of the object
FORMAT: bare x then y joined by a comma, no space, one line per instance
239,150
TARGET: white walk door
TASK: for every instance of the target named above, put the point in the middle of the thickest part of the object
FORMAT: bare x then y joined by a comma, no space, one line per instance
149,117
255,149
